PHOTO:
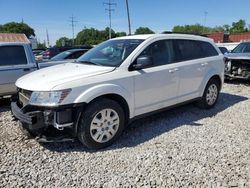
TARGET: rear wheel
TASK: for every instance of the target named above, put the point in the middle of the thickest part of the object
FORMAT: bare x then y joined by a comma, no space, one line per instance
210,95
101,123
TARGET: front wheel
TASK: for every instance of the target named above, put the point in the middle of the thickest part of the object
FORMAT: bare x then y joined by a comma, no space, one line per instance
210,95
101,123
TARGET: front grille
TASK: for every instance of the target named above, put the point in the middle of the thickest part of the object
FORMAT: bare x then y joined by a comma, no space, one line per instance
24,96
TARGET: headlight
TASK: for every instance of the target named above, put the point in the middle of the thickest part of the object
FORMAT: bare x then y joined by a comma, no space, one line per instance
48,98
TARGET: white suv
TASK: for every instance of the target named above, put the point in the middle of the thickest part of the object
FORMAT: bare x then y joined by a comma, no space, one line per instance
94,98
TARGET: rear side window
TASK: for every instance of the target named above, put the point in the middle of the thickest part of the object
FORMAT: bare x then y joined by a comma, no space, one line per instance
12,55
191,49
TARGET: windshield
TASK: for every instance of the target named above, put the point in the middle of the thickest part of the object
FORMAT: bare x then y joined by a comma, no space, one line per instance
61,56
110,53
242,48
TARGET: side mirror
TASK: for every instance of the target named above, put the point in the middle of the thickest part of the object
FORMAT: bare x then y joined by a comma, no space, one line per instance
142,62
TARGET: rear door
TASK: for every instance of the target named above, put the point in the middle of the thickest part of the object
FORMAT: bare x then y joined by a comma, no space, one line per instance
194,63
13,65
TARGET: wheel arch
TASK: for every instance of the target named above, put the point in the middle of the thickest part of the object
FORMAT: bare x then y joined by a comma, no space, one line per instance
211,75
110,91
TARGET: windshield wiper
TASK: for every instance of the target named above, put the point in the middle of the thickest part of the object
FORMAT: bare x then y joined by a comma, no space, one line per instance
88,62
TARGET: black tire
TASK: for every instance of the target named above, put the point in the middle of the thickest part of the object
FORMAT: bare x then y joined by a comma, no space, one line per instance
91,112
203,102
28,133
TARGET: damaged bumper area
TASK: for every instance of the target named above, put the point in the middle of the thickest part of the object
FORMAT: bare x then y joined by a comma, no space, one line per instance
237,68
48,124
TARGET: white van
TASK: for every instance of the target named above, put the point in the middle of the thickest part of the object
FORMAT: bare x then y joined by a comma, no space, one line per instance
121,79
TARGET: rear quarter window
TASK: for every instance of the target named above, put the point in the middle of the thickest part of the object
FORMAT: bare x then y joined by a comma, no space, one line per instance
208,49
12,55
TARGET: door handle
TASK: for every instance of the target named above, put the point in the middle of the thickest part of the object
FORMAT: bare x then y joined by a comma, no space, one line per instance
26,69
173,70
204,64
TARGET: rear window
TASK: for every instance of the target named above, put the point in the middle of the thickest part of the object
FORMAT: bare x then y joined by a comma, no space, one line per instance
12,55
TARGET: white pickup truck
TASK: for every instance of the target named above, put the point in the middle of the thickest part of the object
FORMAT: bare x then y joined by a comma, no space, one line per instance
16,60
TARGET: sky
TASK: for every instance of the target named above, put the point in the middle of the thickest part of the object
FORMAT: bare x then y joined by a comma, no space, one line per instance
158,15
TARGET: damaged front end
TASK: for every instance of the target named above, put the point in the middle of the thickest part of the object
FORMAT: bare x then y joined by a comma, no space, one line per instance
237,68
47,124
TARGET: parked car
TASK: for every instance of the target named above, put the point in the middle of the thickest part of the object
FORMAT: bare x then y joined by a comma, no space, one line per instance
38,51
237,63
16,60
50,52
116,82
53,51
223,50
69,55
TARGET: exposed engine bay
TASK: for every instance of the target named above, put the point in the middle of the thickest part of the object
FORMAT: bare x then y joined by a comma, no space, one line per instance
237,68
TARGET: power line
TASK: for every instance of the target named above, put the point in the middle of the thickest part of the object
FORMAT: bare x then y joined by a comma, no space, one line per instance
72,23
110,9
129,24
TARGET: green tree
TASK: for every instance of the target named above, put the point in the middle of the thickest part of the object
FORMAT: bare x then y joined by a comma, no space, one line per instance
120,34
41,46
239,27
92,36
64,41
14,27
226,27
143,30
194,29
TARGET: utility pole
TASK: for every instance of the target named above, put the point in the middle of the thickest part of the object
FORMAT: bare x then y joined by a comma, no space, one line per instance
47,33
129,25
72,23
110,10
205,21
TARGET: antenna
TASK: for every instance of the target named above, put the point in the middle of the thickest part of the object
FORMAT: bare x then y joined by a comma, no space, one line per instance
72,23
110,10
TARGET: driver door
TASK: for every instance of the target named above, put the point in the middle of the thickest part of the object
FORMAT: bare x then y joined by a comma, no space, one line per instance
156,86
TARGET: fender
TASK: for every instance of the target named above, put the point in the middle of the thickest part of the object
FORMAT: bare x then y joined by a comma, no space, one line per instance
104,89
209,75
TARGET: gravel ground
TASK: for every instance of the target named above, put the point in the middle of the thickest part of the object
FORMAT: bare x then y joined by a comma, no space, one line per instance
184,147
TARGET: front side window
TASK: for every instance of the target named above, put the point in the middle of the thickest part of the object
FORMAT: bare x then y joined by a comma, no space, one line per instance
110,53
12,55
162,52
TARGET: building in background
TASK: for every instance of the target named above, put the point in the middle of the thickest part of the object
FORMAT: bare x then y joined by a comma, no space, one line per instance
221,37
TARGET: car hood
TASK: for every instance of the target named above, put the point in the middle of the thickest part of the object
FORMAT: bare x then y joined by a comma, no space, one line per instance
244,56
48,78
